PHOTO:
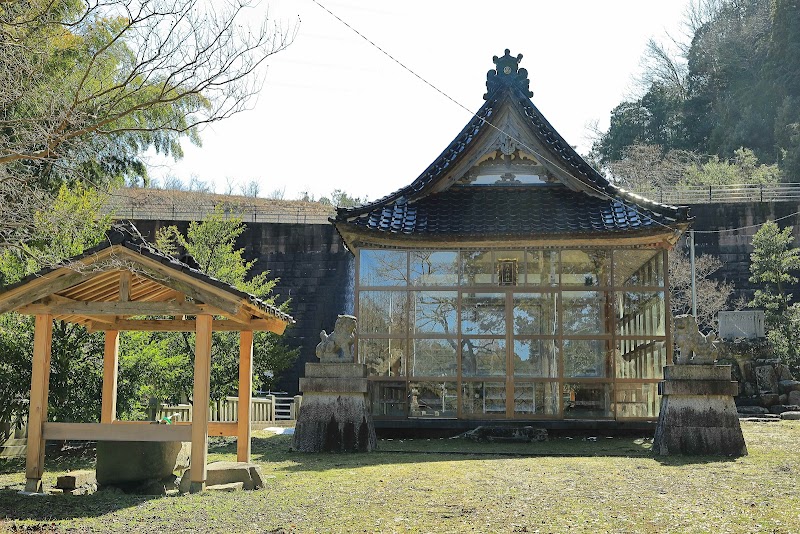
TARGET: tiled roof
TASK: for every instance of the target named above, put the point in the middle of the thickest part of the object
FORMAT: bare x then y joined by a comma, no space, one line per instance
545,210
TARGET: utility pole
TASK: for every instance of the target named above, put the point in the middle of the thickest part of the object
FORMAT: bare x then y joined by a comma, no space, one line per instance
694,284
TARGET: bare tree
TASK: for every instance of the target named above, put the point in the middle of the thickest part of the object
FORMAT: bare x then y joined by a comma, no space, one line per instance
645,168
81,81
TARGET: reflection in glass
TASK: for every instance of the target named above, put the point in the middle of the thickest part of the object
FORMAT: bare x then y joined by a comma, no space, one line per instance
585,268
483,357
641,358
584,312
388,399
433,357
639,268
535,314
587,400
384,357
483,398
536,398
435,312
483,314
637,400
477,267
586,358
430,268
382,268
382,312
433,399
641,314
535,358
542,267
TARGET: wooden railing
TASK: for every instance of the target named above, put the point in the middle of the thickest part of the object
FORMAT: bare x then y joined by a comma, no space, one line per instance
262,410
712,194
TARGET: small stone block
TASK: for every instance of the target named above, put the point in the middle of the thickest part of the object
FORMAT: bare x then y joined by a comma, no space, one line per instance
232,486
697,372
76,479
790,416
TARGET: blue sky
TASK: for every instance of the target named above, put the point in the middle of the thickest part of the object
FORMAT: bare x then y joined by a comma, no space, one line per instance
336,113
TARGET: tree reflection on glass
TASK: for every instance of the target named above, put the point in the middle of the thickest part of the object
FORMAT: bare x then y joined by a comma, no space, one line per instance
429,268
583,312
383,268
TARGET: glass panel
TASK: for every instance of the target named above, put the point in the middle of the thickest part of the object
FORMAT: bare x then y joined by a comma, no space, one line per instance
483,398
433,357
540,398
384,357
382,268
587,401
535,358
585,268
483,314
477,267
382,312
641,314
641,358
637,400
584,312
433,399
542,267
435,312
388,399
586,358
639,268
429,268
483,357
535,314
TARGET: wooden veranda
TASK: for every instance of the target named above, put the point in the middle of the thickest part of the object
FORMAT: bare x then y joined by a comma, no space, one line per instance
106,289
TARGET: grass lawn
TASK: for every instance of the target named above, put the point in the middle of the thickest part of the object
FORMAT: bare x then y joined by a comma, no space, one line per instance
608,485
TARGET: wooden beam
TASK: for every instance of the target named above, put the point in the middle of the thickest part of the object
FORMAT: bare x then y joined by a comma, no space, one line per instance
110,365
216,428
117,432
125,286
37,410
243,436
41,287
116,308
178,325
200,402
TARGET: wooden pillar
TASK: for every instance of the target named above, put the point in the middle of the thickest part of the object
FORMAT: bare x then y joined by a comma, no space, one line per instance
200,402
37,414
245,394
110,366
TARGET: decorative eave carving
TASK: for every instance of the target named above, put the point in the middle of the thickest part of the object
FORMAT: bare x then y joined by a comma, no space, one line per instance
507,73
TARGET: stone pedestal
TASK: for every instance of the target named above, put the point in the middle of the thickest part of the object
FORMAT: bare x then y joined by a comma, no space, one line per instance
698,415
335,412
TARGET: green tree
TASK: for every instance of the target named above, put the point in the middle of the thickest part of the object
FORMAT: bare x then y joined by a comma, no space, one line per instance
772,266
167,358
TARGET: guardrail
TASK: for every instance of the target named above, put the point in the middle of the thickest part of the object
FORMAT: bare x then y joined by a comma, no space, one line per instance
262,410
246,214
713,194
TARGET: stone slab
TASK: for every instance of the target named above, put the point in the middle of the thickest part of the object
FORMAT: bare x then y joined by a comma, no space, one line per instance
791,416
698,387
697,372
230,487
76,479
766,378
333,385
787,386
338,369
794,397
222,473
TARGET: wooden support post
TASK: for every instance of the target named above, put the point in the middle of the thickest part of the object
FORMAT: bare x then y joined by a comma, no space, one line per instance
245,395
37,415
110,365
200,402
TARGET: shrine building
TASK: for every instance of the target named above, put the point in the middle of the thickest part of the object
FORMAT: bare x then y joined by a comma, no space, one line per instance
511,281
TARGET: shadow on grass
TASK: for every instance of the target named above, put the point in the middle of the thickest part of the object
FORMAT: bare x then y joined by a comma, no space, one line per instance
59,507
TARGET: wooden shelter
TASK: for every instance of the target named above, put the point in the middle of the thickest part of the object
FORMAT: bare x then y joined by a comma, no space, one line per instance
106,289
511,280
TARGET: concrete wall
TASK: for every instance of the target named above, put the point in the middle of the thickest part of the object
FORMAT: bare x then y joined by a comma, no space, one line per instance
315,272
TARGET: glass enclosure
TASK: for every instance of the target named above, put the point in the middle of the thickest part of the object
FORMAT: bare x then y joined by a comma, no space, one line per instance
513,334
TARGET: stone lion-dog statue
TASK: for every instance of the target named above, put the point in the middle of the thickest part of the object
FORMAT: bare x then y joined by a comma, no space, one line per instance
691,341
338,345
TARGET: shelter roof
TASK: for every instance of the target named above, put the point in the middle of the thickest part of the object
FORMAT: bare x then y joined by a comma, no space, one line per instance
509,127
126,276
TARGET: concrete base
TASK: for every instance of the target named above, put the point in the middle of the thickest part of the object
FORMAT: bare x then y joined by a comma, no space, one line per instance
335,412
224,473
698,415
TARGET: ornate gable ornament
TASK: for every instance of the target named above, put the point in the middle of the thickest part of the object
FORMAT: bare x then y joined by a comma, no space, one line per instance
507,73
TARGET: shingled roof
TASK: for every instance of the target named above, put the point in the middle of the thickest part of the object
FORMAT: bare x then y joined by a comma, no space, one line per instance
581,201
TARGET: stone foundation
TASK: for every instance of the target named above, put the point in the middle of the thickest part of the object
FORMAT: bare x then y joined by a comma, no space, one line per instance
335,412
698,415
